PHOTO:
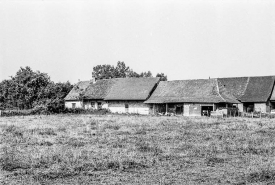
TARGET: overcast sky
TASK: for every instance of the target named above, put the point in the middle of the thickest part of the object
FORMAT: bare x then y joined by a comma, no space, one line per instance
183,39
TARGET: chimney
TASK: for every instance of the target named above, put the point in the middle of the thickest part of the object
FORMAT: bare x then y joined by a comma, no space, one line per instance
93,79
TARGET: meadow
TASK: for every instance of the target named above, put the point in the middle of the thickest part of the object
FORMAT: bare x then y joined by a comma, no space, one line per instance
132,149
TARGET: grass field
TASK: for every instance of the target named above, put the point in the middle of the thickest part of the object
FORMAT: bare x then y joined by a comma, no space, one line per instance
120,149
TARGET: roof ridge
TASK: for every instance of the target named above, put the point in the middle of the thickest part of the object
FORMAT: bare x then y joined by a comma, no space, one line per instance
246,84
218,89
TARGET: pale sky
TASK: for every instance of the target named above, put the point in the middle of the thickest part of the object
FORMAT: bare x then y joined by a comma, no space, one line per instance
188,39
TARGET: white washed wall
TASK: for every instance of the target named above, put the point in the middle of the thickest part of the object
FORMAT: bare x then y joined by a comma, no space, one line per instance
136,110
240,107
137,107
260,107
69,104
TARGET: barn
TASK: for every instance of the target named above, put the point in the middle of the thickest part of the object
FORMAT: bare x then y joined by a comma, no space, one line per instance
73,99
254,93
190,97
127,95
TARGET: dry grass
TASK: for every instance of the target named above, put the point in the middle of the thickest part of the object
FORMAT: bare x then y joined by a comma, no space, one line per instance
83,149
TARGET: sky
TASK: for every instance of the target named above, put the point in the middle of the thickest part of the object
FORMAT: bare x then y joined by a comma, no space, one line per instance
187,39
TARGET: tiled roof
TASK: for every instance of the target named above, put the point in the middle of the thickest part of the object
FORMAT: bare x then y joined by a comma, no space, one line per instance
249,89
191,91
132,89
99,89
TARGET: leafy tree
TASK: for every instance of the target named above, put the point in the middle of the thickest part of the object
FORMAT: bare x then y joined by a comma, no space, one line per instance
121,70
103,72
146,74
29,89
162,76
132,74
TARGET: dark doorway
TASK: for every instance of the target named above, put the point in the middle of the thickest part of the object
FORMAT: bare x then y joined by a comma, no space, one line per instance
272,105
161,108
248,107
179,109
206,110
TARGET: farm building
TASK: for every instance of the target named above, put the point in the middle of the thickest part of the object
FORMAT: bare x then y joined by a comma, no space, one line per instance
190,97
96,92
127,95
73,99
254,93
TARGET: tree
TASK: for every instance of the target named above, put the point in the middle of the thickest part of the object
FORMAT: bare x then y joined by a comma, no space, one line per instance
146,74
162,76
29,89
121,70
103,72
133,74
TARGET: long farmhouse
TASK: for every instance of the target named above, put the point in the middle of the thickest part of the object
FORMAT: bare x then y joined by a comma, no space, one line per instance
119,95
182,97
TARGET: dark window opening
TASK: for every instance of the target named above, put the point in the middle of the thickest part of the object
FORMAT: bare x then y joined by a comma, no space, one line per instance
73,105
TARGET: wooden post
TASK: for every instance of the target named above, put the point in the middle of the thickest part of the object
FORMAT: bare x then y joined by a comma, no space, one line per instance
154,108
166,107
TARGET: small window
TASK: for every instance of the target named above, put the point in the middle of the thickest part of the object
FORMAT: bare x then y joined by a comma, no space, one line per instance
99,105
73,105
126,105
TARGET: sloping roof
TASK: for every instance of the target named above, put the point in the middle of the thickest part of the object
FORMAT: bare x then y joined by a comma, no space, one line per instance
236,86
191,91
132,89
79,87
99,89
258,89
249,89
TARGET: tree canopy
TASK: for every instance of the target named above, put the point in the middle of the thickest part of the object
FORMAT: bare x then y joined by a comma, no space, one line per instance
28,89
121,71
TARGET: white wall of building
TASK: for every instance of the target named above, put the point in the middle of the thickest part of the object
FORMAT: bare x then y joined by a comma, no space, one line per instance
134,107
134,110
240,107
69,104
260,107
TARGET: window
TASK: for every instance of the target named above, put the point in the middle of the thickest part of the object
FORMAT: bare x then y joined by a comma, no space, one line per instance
126,105
73,105
99,105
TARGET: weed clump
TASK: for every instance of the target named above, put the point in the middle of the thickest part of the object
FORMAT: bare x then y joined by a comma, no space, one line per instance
47,131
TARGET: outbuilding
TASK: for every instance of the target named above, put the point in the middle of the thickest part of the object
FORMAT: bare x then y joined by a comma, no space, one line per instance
190,97
255,93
